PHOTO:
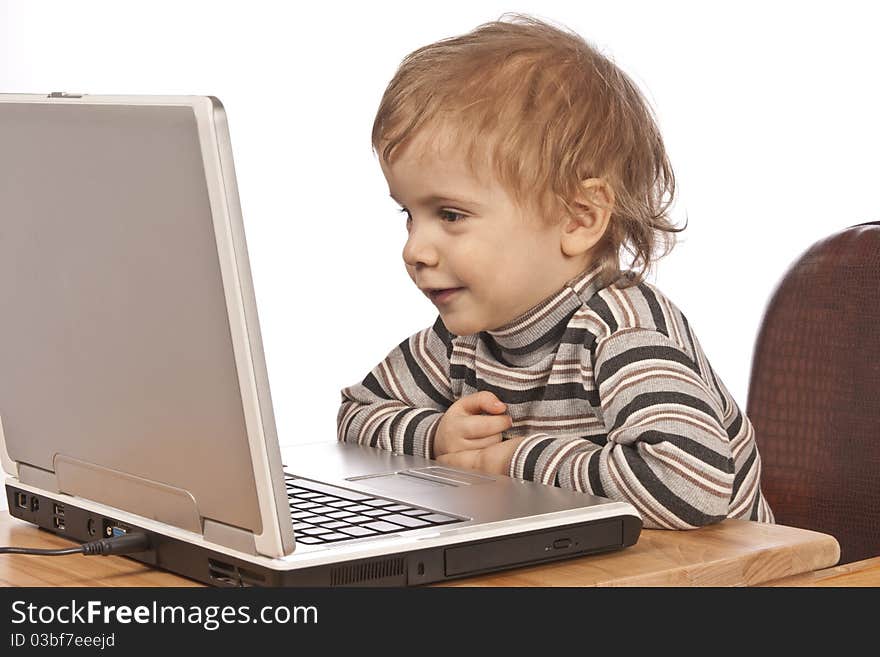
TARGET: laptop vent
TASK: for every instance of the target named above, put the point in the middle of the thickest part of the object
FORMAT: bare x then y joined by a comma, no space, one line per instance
225,574
368,571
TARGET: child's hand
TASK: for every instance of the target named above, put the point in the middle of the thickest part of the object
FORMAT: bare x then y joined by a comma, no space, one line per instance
464,426
494,459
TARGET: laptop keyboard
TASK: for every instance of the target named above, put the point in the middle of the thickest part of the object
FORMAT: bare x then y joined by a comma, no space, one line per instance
325,514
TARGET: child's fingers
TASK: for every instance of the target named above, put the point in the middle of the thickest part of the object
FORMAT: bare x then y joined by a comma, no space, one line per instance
481,402
480,443
480,426
464,444
468,458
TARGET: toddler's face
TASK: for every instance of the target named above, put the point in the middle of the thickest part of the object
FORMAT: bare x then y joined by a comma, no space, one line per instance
472,236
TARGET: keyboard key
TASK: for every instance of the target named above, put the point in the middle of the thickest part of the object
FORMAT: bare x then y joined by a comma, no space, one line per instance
334,524
323,499
323,509
316,531
358,531
332,490
406,521
398,507
415,512
340,504
334,537
376,512
382,526
358,519
302,506
358,508
301,525
308,539
438,518
377,502
339,514
305,516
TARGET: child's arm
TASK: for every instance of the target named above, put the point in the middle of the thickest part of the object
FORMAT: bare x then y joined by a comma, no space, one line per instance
406,404
666,450
399,404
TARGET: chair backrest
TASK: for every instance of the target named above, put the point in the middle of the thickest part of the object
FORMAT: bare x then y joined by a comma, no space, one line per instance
814,393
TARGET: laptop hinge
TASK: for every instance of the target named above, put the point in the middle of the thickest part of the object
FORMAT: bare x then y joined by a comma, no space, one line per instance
232,537
144,497
9,466
37,477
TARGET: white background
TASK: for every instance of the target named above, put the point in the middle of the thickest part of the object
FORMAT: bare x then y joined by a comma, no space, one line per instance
769,112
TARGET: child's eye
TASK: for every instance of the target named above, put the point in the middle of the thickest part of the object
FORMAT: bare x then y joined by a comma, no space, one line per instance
455,216
446,215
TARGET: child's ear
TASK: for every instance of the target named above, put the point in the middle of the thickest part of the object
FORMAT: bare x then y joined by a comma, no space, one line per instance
593,207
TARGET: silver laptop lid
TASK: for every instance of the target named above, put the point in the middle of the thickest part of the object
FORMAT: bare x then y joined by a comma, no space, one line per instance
131,364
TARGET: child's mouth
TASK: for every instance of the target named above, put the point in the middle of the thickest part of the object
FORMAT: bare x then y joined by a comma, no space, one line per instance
442,296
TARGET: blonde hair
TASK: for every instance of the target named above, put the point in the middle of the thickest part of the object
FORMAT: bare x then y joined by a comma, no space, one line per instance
545,111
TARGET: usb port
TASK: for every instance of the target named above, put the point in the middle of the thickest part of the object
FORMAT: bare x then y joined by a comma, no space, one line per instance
21,500
58,522
58,510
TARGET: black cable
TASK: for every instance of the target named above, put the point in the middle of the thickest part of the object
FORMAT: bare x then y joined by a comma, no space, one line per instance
125,544
20,550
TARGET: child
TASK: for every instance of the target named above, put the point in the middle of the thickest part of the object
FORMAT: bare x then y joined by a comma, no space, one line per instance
524,161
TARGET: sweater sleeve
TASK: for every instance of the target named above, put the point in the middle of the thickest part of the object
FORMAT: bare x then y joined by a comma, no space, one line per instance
665,450
400,402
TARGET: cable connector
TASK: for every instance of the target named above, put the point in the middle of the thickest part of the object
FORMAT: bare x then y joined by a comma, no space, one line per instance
125,544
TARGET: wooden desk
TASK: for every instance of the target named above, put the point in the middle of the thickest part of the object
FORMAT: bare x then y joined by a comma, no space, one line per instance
733,553
858,573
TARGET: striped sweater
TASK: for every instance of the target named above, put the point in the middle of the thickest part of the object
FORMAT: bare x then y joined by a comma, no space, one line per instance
611,389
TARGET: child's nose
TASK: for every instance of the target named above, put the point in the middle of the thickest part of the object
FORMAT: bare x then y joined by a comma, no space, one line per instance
419,249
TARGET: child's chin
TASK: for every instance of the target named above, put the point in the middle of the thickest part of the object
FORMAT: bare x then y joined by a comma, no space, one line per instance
458,327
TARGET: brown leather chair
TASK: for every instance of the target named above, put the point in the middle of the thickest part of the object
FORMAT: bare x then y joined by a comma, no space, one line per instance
814,394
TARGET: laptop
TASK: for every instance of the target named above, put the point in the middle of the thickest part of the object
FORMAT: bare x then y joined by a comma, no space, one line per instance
133,387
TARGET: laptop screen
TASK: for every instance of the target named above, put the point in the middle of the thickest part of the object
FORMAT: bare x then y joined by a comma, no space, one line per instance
116,352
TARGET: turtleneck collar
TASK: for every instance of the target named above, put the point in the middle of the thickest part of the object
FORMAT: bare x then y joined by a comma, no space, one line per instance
537,332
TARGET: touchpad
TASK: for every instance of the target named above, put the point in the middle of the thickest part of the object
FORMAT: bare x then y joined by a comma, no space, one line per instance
455,477
421,479
399,483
